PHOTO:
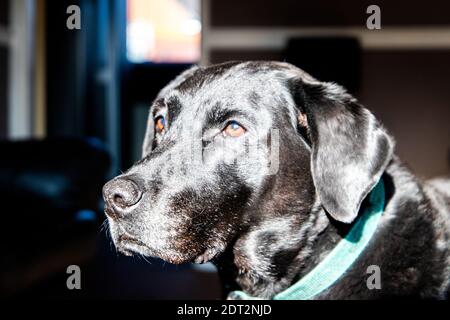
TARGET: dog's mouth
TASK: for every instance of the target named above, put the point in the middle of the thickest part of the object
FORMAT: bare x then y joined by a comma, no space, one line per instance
129,245
207,256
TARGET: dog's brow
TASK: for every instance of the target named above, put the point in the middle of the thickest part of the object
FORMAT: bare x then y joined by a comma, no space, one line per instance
218,114
172,104
158,105
174,107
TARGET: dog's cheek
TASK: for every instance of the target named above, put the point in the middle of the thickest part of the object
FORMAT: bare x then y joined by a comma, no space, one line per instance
213,215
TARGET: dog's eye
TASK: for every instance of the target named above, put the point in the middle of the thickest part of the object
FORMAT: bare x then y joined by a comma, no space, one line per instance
160,124
233,129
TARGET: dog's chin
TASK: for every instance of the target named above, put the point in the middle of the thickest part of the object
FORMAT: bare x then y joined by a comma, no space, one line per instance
130,246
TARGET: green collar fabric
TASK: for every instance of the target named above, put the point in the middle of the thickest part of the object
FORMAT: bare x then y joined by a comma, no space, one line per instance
336,263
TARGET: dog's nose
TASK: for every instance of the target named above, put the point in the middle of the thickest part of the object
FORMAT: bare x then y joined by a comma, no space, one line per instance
120,194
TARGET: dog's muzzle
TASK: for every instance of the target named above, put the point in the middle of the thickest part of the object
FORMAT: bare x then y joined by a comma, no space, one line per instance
120,196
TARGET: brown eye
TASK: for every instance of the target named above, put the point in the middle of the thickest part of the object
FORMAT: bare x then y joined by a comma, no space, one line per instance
234,129
160,124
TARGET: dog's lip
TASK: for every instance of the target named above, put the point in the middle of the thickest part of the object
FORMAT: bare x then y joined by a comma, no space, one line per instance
130,239
200,259
127,242
205,257
125,239
129,245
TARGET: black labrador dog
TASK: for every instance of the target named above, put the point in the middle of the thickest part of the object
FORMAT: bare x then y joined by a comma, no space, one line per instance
262,169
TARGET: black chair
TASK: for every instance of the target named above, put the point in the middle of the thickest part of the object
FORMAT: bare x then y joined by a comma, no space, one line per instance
50,193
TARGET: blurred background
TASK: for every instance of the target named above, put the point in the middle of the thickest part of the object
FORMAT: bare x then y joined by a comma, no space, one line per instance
74,103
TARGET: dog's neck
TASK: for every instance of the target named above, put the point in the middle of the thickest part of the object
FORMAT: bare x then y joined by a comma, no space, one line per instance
275,253
288,234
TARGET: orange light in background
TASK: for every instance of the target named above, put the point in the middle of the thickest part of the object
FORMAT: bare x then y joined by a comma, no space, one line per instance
163,31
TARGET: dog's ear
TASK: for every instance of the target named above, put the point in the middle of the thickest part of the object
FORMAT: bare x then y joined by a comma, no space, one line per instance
350,149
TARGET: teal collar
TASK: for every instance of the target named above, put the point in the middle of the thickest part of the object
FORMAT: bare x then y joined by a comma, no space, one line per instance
330,269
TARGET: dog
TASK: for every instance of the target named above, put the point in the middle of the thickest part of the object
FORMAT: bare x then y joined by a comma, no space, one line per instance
266,218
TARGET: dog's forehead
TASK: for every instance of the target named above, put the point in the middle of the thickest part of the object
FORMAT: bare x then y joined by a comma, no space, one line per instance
247,85
235,76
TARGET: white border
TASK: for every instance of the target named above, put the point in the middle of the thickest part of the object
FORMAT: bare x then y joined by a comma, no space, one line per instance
264,38
391,38
205,35
20,73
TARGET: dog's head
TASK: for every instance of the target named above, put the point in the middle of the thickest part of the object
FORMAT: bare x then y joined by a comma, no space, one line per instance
233,144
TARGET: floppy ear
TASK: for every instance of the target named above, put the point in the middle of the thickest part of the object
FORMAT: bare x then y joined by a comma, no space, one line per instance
350,149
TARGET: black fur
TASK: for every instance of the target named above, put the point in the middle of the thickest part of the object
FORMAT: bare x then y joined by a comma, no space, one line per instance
198,195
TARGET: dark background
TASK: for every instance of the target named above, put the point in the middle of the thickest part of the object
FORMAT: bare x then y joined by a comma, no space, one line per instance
84,95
